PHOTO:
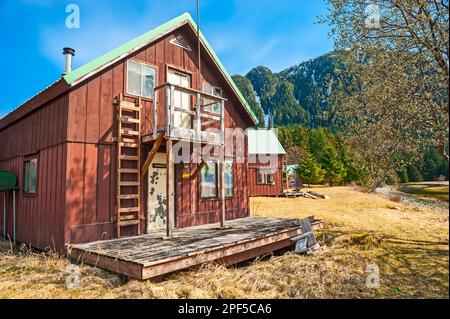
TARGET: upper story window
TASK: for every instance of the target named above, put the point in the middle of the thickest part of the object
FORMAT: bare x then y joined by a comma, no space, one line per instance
213,90
30,175
141,79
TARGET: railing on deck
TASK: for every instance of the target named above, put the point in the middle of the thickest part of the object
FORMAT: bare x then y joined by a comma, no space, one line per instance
188,115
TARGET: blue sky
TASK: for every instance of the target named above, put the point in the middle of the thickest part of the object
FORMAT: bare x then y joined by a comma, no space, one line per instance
244,33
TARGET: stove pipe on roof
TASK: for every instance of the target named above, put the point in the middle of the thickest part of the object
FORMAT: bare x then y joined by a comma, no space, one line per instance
68,53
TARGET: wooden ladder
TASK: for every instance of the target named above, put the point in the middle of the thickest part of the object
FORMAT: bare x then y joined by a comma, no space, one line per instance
128,165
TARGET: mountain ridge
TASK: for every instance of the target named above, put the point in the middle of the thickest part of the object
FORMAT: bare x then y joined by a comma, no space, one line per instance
297,95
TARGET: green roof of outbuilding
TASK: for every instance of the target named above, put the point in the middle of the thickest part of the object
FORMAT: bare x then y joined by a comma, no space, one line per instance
129,46
264,142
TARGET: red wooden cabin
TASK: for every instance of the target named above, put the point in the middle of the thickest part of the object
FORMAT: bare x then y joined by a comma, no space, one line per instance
266,157
92,152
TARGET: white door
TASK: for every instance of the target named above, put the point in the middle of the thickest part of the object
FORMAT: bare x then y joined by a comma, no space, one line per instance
157,198
181,99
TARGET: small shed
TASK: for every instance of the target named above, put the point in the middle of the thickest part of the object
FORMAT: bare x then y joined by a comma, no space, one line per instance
266,163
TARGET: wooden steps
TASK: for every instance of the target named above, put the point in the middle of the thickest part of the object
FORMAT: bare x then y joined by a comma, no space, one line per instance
128,212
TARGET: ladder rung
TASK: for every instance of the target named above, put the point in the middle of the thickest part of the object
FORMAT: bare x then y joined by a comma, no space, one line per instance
129,170
131,145
129,106
129,132
129,196
126,217
128,222
128,209
127,140
128,183
127,119
129,158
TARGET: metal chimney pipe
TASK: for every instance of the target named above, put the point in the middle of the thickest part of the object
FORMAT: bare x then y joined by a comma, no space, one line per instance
68,53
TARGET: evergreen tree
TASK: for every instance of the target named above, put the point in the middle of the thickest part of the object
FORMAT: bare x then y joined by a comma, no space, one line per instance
285,108
309,169
403,176
414,174
332,166
247,90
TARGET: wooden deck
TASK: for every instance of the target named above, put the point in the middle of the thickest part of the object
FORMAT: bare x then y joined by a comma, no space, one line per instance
153,255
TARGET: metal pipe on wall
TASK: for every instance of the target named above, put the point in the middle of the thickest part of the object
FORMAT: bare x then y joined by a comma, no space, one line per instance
14,216
4,215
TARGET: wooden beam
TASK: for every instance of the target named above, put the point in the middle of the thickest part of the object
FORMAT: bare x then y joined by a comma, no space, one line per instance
170,196
198,169
151,154
222,187
222,166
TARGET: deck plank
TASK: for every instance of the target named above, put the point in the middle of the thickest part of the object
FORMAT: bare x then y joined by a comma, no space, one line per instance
154,249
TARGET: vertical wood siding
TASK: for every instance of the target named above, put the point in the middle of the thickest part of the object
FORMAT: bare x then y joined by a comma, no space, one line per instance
256,189
40,217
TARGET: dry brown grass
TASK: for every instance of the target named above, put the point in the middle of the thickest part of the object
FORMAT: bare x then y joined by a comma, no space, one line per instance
410,246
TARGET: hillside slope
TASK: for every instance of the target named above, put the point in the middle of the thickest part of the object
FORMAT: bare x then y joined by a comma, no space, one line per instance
298,95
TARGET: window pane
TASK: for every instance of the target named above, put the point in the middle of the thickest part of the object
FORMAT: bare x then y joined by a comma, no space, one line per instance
148,84
208,186
270,179
33,173
259,177
228,178
30,173
208,88
134,78
26,176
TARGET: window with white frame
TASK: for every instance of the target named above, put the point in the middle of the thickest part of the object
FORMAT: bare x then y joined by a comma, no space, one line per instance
213,90
265,176
141,79
208,180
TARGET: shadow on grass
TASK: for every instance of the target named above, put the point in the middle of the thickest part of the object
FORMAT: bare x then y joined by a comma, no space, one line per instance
415,268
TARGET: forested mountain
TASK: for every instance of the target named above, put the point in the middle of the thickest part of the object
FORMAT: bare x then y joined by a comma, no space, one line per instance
298,100
297,95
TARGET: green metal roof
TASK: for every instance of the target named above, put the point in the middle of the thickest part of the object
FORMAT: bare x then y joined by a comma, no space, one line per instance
8,181
264,142
129,46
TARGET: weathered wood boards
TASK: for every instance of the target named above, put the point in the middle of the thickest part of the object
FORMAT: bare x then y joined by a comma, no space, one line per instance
128,169
152,154
150,255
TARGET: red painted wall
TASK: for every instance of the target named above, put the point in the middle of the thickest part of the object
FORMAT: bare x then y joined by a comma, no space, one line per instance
256,189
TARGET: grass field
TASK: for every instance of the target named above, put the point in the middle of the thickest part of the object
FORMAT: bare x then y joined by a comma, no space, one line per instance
408,243
436,190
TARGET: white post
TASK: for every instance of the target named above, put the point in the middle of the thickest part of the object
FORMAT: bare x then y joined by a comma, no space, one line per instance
172,108
167,115
155,117
4,215
198,121
14,216
222,164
